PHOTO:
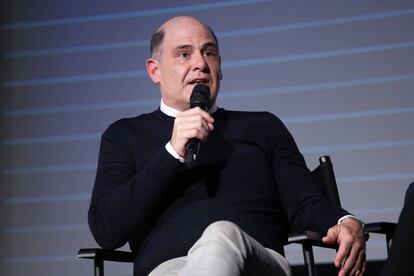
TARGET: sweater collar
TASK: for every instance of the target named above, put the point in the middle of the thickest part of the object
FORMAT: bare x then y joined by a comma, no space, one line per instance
172,112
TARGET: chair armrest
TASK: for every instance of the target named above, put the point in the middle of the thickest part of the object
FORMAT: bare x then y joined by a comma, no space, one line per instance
310,237
387,228
106,255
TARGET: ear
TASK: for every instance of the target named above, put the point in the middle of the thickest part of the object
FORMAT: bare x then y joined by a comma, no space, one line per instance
153,70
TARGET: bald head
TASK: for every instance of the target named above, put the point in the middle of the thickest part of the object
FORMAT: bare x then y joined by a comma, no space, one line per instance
172,24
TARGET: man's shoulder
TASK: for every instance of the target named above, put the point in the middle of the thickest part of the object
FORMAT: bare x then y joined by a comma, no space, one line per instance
123,125
251,116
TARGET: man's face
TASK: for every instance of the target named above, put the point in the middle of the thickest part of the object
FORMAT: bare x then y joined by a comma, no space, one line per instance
189,55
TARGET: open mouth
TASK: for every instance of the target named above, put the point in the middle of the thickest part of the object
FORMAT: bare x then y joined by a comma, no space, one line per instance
197,81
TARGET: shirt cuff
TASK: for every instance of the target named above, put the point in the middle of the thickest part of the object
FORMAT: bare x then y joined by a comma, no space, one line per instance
171,151
351,216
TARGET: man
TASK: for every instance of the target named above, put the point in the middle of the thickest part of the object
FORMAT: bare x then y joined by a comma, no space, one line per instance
229,215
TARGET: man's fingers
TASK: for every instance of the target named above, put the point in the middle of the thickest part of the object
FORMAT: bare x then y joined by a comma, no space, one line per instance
363,266
192,123
343,253
331,237
350,257
350,262
197,111
195,120
359,265
354,264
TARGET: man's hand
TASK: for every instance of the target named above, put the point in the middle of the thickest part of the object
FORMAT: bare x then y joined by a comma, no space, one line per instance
350,258
192,123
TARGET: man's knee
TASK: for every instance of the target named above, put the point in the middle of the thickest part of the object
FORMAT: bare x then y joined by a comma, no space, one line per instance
222,227
225,233
224,238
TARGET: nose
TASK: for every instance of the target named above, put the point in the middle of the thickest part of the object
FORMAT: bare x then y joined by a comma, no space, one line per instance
200,63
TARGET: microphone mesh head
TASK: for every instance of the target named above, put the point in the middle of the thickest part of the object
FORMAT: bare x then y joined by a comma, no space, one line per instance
200,97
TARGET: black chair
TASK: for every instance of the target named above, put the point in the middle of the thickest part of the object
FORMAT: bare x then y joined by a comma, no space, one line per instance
323,175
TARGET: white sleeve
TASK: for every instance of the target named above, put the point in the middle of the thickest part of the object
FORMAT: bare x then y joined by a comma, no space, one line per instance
171,151
351,216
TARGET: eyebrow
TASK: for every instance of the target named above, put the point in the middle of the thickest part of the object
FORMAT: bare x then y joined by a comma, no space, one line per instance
182,47
210,45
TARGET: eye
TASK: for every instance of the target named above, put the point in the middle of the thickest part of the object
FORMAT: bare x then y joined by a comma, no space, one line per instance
209,53
183,54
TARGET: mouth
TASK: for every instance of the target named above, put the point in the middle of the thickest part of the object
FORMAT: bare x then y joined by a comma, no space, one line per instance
199,80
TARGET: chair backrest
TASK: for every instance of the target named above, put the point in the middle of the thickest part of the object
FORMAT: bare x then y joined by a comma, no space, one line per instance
324,175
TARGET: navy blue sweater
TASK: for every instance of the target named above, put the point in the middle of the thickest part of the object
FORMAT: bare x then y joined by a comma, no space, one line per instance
249,172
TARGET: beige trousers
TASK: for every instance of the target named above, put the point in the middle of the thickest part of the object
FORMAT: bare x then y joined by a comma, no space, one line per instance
225,250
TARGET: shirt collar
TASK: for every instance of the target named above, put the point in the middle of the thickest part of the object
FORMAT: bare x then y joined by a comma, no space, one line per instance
172,112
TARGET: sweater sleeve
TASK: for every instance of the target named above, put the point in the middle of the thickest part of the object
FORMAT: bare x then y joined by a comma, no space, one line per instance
124,194
305,206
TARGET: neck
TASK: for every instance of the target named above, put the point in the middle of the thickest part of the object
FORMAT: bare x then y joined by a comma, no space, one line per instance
172,112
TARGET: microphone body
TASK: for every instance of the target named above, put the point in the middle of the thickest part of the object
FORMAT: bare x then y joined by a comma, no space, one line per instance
200,96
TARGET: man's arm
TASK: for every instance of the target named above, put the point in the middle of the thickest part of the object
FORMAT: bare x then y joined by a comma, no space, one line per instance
125,193
305,206
308,209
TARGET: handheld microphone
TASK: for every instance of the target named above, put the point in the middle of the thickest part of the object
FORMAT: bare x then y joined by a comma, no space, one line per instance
200,96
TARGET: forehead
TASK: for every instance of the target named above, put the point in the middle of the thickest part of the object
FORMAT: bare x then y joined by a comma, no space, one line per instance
187,32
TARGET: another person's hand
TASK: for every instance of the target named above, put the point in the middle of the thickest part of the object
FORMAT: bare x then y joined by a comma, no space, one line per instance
350,236
192,123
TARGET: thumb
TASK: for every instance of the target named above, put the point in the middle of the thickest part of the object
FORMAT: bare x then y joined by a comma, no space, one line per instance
331,235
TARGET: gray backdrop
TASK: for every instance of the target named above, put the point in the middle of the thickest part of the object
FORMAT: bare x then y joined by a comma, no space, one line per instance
340,74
